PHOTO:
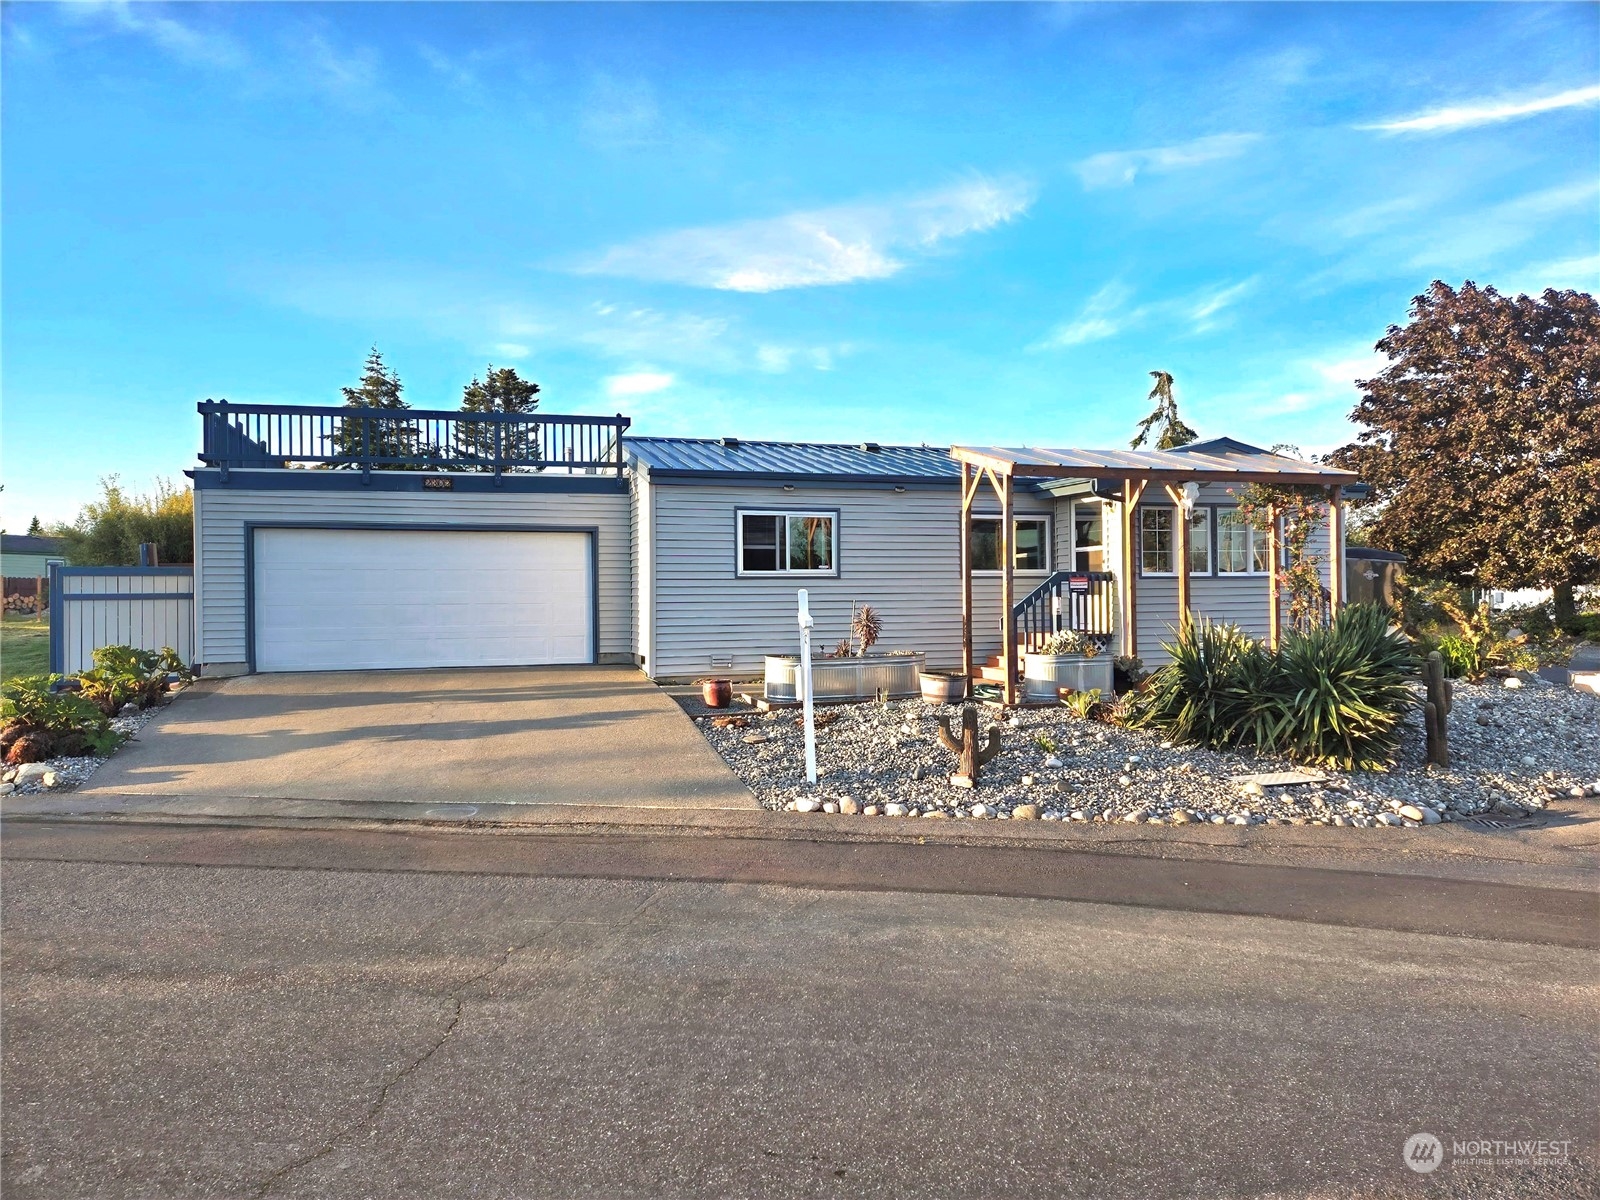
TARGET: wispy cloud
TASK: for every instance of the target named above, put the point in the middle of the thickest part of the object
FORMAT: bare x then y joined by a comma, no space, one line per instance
1110,311
1119,168
153,22
1580,273
303,59
1102,316
1485,112
842,244
1210,310
1473,240
638,383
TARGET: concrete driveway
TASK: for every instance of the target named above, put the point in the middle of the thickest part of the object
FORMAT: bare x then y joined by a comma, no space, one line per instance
535,735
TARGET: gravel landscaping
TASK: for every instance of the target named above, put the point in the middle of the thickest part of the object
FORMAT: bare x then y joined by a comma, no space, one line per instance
64,774
1515,745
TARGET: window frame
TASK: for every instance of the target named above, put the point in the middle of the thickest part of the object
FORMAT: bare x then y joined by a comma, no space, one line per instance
1258,541
1209,541
1073,549
785,515
1045,543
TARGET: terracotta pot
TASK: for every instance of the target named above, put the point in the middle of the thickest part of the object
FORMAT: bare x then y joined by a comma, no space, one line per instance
717,693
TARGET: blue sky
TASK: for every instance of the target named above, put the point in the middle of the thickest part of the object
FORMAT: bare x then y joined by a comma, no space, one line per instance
934,223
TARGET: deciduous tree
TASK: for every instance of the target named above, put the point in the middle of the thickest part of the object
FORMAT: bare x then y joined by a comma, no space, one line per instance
1481,439
108,531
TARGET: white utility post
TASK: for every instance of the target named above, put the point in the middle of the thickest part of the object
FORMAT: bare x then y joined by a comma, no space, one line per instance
805,687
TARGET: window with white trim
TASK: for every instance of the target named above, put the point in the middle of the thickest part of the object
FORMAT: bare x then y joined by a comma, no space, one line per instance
786,543
1200,541
1241,547
1158,540
1030,544
1155,541
1089,536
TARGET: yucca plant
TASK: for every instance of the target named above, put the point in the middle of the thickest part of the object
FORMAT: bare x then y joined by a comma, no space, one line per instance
1207,690
1333,696
1347,686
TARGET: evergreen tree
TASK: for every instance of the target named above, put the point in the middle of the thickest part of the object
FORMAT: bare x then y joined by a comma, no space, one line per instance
35,529
1174,432
499,391
379,388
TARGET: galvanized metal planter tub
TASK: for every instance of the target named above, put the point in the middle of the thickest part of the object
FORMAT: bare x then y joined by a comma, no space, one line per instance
846,678
1044,675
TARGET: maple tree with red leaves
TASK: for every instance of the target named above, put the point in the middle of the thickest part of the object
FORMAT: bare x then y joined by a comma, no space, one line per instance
1481,439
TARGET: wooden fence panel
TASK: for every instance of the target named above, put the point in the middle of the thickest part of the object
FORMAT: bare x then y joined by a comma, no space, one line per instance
149,608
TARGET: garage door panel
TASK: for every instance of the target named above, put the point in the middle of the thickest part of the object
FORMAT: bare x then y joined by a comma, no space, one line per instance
329,599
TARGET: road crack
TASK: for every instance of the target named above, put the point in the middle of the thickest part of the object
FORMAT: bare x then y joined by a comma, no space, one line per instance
375,1107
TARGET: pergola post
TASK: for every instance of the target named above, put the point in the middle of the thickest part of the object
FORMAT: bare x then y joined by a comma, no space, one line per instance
1335,552
1008,617
1274,601
1180,522
1131,494
967,488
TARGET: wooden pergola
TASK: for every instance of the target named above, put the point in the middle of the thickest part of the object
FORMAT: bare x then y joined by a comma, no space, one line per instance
1220,460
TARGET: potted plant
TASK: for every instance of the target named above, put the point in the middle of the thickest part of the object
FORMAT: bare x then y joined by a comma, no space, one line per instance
1127,672
1067,659
943,687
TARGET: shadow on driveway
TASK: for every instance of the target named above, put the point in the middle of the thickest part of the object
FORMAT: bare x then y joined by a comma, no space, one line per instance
535,735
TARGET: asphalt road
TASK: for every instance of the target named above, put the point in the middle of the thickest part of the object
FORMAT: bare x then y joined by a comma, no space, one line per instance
345,1029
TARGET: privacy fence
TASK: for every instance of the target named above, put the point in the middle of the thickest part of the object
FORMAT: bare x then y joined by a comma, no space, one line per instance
145,607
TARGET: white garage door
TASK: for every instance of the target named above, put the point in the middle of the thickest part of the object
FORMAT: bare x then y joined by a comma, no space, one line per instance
353,599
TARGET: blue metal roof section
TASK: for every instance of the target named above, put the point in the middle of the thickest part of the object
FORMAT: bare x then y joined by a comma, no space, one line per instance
731,457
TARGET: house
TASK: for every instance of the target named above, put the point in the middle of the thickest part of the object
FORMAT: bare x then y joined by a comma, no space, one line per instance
331,538
25,556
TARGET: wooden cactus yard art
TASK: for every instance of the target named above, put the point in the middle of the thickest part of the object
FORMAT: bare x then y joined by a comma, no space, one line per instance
965,745
1441,697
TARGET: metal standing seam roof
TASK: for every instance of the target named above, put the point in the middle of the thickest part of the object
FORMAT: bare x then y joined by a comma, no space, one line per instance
707,456
1219,457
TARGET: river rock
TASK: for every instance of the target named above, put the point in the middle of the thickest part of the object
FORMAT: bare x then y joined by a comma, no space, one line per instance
1025,812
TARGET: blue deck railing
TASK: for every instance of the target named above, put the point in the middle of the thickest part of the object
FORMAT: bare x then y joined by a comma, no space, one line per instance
1085,601
406,439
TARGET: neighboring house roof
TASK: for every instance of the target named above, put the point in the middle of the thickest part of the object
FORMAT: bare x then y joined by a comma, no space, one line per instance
736,458
21,543
1374,553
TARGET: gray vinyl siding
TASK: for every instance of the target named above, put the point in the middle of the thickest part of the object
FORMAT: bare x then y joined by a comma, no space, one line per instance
1230,599
221,514
898,551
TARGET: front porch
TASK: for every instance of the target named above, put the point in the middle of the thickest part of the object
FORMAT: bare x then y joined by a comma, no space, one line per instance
1106,603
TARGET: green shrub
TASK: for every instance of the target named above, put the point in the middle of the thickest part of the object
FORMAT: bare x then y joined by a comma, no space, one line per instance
1461,657
1333,696
73,724
1083,704
123,675
1583,625
1346,690
1215,692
